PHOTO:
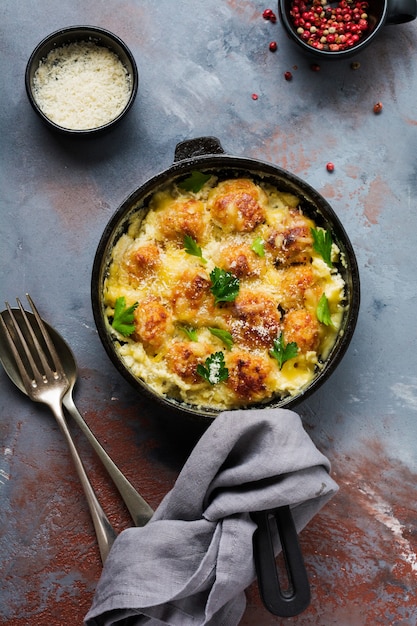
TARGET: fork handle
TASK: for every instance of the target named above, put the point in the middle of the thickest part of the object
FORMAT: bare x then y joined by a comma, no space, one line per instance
138,508
105,533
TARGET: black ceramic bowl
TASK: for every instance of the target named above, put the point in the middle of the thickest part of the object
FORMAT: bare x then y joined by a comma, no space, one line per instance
206,154
94,35
380,13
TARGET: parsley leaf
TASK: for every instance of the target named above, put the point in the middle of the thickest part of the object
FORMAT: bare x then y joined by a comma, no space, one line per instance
213,370
123,317
322,243
224,285
194,182
323,311
192,247
224,335
258,246
190,332
282,352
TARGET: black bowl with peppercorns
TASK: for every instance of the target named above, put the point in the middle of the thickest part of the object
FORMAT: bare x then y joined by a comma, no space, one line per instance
337,30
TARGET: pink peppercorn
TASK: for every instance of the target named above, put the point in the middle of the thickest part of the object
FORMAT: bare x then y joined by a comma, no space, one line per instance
288,76
273,46
330,167
268,14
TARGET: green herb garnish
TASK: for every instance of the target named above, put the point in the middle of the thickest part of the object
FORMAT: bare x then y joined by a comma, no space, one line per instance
213,370
123,317
323,311
224,335
224,285
258,247
190,332
194,182
192,247
282,352
322,243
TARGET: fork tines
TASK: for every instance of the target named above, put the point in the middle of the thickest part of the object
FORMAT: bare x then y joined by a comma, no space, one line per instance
31,343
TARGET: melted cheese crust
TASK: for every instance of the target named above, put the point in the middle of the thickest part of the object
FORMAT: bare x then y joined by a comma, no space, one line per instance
279,293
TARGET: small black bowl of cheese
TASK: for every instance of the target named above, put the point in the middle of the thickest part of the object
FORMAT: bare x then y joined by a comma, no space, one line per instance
81,80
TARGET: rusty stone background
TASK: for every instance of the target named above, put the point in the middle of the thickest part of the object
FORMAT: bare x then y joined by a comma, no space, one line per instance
199,65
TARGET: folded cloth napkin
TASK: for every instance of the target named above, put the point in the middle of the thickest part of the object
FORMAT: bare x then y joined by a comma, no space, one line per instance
190,565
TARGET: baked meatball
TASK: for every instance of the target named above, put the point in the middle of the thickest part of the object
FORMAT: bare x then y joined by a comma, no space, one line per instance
248,375
182,359
184,217
296,281
153,323
303,328
292,241
237,205
241,261
142,262
192,300
255,320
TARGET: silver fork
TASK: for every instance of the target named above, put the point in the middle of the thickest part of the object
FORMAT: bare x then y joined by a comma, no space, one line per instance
46,382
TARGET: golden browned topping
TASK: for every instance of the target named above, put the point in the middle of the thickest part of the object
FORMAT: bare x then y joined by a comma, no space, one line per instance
297,282
142,262
238,205
248,374
224,296
184,217
241,260
183,357
300,326
254,320
291,242
152,322
192,300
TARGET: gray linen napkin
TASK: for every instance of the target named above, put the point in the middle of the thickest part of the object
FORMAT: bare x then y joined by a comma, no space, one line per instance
190,565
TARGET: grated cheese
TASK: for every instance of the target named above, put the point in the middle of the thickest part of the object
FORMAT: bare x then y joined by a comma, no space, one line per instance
81,86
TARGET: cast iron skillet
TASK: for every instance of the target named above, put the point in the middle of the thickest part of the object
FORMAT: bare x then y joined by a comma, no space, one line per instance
206,154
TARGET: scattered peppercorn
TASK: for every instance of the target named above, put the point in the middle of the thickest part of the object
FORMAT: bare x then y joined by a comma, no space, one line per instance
330,167
378,107
273,46
324,26
254,96
288,76
268,14
355,65
315,67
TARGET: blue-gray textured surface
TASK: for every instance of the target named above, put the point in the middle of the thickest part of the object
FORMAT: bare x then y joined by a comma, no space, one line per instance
199,65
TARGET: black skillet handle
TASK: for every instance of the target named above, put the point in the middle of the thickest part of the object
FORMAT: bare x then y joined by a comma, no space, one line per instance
200,146
401,11
294,597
